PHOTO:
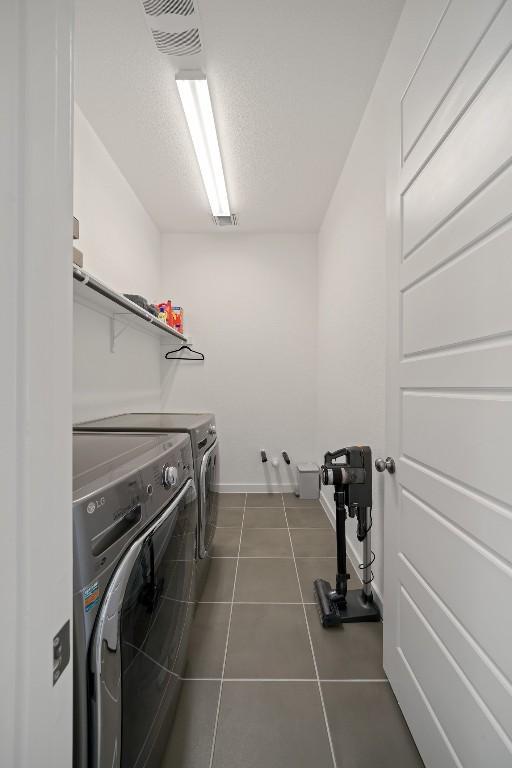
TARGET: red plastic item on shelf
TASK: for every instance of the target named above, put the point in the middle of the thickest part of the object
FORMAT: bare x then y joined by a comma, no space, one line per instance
177,319
173,316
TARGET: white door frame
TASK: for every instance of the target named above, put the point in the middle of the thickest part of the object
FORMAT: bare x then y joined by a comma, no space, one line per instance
36,381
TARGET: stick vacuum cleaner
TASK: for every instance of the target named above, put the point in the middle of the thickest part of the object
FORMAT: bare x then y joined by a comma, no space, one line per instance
352,481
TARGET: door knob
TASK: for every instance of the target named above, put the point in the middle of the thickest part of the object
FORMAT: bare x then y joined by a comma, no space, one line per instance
383,464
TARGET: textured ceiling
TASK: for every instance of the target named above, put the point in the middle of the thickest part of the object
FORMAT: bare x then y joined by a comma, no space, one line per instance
289,82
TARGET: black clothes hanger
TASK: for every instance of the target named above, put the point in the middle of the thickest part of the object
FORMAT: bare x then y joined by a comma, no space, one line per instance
198,355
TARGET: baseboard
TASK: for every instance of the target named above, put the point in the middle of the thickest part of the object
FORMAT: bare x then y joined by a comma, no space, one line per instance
351,550
255,488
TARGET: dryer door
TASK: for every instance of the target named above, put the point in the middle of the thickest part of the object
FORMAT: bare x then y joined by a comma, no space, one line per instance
207,482
143,621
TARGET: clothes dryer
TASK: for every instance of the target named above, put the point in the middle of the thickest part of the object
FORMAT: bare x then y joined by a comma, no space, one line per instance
205,445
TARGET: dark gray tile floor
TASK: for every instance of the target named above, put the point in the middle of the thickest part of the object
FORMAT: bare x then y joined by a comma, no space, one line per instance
305,517
190,744
265,517
313,542
219,581
230,517
267,580
265,685
265,542
269,642
274,724
229,500
226,542
207,643
367,727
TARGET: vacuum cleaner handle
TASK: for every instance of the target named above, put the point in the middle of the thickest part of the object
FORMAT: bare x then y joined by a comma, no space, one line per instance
330,457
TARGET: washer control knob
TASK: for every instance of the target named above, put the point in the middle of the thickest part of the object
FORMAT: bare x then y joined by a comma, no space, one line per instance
169,476
212,429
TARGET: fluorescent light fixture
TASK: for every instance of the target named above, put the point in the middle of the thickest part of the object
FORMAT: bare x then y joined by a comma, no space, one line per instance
197,105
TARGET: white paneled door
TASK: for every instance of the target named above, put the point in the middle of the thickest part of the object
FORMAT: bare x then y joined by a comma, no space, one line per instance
448,541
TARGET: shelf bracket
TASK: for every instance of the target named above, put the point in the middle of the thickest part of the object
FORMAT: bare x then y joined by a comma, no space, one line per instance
115,332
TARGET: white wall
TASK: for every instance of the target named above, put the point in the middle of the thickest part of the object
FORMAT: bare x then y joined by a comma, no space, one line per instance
121,246
351,312
120,241
35,386
352,281
250,306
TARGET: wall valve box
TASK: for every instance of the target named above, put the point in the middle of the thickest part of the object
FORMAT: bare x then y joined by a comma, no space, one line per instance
308,481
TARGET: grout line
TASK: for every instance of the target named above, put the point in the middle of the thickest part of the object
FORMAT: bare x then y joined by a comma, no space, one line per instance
225,527
273,557
259,679
274,679
175,599
252,557
301,680
214,602
277,528
227,638
312,649
248,602
269,680
257,602
310,528
277,508
355,680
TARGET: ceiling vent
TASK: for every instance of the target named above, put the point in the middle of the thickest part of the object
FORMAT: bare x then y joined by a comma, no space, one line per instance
226,221
187,43
175,27
158,7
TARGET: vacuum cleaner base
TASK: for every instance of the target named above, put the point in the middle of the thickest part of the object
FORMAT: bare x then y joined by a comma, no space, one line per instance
357,608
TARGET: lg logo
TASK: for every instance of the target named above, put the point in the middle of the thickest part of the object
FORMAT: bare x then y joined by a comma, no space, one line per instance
94,505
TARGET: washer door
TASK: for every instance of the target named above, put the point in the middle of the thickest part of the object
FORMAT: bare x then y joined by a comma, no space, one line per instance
208,509
140,636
